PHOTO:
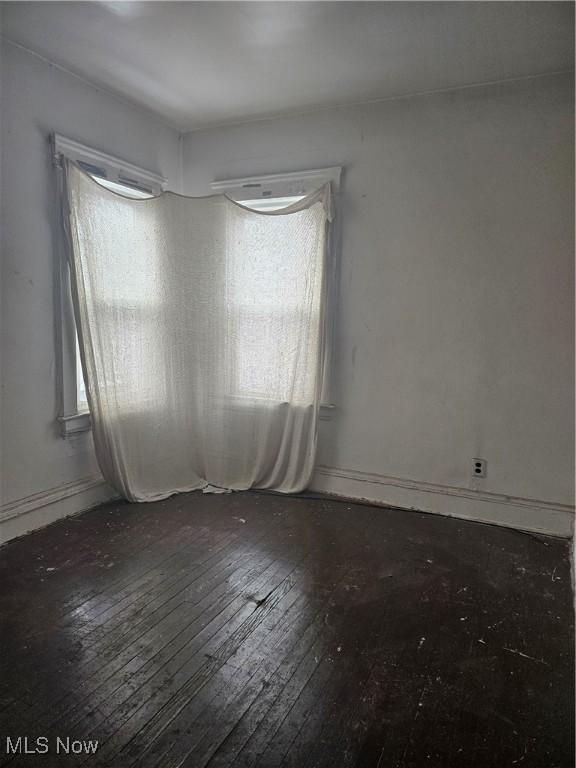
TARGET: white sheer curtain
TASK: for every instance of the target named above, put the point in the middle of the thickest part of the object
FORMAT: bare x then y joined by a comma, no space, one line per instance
202,334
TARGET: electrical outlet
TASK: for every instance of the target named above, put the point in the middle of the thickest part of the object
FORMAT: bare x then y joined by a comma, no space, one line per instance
479,467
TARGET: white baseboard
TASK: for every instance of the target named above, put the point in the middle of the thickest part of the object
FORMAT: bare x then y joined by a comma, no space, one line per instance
35,511
509,511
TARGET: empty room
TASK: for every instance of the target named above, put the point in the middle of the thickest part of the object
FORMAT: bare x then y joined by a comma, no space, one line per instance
287,384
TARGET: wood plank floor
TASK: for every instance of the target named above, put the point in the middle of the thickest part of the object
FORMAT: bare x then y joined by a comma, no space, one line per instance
258,630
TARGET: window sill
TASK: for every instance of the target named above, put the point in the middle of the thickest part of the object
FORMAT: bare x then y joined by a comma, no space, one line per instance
71,425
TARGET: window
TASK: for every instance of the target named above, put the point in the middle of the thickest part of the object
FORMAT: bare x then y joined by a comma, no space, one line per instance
264,193
271,203
275,190
268,193
118,176
124,189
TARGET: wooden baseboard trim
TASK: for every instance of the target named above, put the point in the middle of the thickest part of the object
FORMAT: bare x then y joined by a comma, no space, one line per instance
510,511
39,509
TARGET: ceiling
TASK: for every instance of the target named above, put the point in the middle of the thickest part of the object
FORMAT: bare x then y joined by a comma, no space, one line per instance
204,63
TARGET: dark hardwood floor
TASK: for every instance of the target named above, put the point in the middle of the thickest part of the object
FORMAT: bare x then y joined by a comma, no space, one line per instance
259,630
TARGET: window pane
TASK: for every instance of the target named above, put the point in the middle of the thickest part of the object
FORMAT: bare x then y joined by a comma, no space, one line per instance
137,289
270,280
270,203
122,189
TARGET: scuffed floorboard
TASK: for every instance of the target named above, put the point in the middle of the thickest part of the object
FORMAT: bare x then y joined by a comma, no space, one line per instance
259,630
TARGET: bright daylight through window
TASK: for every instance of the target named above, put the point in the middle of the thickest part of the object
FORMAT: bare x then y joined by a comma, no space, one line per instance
128,191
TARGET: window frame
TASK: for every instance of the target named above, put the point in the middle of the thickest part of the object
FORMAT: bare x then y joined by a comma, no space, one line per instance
70,419
249,189
292,184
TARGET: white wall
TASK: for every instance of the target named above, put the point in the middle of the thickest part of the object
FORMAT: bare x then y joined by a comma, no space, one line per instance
42,473
456,303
